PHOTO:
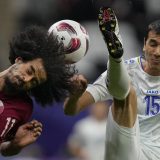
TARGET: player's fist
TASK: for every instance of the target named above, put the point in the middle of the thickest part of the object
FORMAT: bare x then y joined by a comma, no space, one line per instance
79,85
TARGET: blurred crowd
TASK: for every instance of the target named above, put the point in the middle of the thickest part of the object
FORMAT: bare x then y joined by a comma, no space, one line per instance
133,15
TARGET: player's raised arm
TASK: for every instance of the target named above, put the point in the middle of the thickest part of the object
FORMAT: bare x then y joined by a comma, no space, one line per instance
79,99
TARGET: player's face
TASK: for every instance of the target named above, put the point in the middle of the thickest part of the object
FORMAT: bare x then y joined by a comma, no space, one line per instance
152,51
24,76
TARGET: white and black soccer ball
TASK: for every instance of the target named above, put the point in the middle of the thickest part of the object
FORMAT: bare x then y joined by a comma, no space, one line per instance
74,37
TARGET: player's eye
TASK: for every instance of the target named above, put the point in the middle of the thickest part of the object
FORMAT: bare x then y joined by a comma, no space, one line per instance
153,43
29,72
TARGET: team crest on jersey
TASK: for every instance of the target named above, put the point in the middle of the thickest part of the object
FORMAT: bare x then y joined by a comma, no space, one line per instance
1,107
130,61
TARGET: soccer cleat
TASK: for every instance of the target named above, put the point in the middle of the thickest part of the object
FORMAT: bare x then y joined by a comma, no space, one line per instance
108,26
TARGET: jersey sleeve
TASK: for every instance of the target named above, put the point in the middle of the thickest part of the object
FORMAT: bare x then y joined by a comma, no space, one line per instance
99,89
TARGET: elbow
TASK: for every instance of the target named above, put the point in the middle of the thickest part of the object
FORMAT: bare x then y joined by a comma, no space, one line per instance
7,150
4,154
69,110
9,154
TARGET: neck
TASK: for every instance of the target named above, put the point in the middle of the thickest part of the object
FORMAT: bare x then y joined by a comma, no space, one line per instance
151,71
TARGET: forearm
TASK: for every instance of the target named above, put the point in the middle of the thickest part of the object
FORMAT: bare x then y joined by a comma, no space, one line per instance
71,106
9,148
74,104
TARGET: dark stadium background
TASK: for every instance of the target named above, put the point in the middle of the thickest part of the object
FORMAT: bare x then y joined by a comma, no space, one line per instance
133,15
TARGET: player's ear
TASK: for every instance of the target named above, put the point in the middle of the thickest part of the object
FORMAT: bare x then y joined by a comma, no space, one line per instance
144,48
18,59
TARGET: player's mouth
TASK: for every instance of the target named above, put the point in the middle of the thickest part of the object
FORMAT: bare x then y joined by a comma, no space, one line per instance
155,63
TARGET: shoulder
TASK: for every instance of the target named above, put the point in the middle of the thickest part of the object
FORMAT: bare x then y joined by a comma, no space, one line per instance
19,107
133,63
16,111
21,102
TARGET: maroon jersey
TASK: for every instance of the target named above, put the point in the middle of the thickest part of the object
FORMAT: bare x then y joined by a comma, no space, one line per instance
14,111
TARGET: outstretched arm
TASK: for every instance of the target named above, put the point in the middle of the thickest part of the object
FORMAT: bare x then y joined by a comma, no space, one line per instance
79,99
25,135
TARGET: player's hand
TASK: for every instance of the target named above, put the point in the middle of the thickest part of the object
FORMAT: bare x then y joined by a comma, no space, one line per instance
79,84
27,134
71,106
108,26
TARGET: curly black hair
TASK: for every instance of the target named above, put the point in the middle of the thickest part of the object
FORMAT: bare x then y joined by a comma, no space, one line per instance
35,42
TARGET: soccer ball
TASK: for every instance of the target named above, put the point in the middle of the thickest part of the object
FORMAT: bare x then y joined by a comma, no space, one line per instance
74,37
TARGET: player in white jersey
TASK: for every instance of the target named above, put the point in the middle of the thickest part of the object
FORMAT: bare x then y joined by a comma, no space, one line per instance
133,128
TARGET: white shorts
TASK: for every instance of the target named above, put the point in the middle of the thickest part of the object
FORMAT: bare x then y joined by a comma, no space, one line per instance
122,143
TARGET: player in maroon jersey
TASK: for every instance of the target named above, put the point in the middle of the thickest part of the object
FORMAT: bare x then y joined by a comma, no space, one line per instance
38,70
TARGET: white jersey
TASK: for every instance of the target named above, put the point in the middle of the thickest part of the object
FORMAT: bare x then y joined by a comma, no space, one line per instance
148,96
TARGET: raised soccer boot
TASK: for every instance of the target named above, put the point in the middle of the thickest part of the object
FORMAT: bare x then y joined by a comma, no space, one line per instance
108,26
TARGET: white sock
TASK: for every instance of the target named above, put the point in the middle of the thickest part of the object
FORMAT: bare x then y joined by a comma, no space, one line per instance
117,80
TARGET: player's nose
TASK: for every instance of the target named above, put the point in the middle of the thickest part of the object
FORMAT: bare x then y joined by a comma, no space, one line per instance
157,51
27,78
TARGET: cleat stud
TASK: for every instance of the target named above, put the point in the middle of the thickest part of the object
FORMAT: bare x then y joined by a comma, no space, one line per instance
110,44
101,11
101,22
100,16
112,25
